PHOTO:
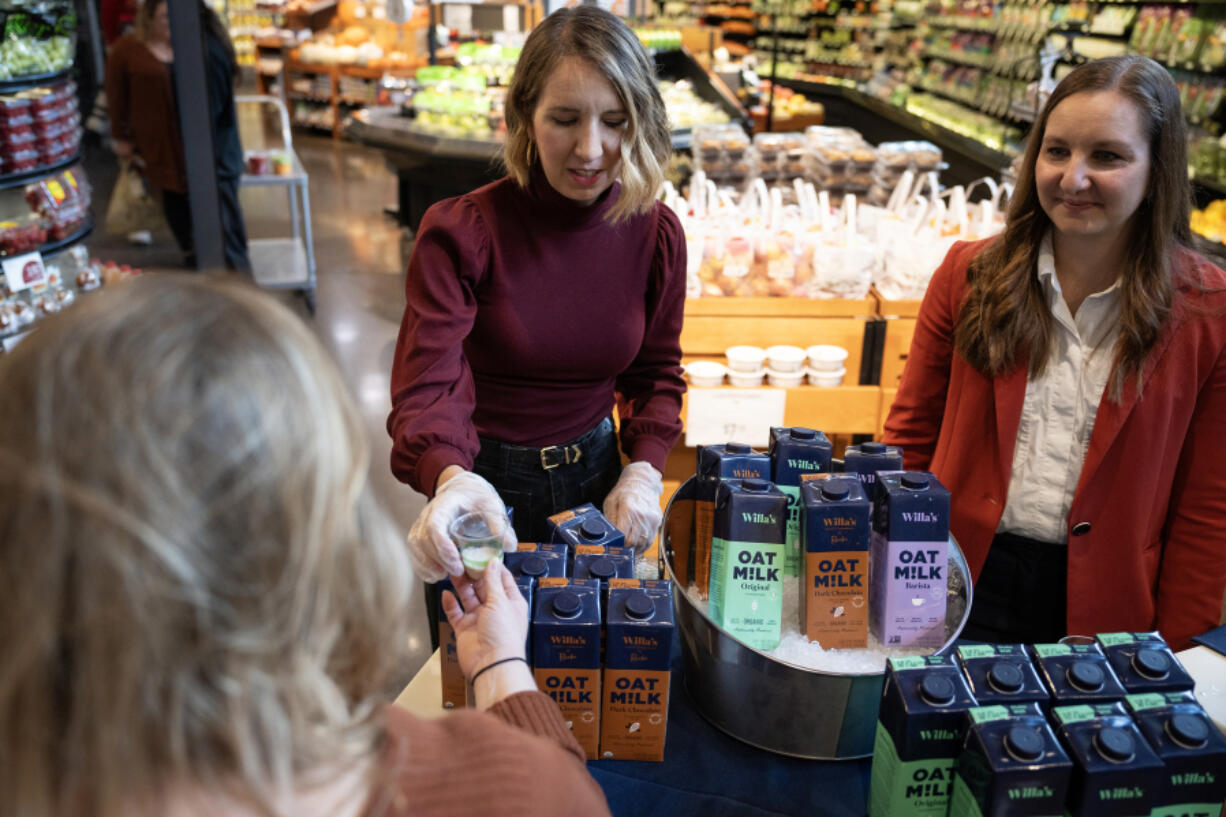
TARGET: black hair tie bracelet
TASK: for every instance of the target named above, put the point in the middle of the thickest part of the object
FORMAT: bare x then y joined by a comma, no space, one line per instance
477,674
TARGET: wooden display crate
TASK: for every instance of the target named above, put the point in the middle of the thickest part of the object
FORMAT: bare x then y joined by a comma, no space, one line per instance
714,324
899,319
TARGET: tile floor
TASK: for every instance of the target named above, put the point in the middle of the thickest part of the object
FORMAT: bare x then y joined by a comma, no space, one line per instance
358,253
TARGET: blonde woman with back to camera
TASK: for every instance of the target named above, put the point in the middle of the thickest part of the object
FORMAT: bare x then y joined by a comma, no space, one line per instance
202,606
1067,380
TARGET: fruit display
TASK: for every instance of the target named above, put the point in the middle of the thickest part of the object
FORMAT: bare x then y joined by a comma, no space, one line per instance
47,210
58,281
38,127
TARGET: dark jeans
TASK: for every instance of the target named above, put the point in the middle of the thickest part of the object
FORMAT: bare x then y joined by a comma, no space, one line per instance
1021,594
535,493
178,212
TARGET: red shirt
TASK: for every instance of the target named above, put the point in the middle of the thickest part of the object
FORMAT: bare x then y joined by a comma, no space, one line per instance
525,315
1153,487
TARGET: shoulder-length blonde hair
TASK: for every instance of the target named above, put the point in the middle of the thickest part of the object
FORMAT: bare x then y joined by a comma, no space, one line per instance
611,48
1005,315
196,587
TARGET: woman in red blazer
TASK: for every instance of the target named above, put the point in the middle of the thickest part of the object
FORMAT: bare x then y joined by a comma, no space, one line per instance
1069,377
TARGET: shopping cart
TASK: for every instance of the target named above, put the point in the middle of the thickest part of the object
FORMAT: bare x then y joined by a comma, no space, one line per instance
282,263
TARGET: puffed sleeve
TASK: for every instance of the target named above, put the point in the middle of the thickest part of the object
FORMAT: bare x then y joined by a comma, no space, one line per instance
1193,572
914,421
432,386
650,389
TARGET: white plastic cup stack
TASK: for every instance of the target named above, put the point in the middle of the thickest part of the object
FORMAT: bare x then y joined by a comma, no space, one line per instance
786,366
706,373
827,365
745,365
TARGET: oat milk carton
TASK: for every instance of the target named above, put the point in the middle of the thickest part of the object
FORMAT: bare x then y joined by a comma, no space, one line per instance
908,560
584,525
603,563
639,624
795,452
1191,748
836,525
1076,674
747,561
1011,765
1002,674
455,687
566,653
919,737
866,459
1144,663
1115,772
537,561
527,589
715,463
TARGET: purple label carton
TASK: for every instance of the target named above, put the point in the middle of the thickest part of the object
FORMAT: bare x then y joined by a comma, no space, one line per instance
1115,772
1144,663
908,560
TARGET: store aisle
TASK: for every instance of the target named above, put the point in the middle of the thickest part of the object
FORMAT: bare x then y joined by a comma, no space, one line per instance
360,294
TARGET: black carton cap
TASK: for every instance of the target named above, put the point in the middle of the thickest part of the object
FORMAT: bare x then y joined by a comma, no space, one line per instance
602,568
915,481
640,606
1188,730
1154,664
1115,744
835,490
873,448
1025,743
937,690
800,433
567,604
533,566
591,529
738,448
1086,676
757,485
1006,677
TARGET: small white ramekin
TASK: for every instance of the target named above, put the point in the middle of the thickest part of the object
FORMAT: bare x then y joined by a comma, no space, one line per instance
824,358
825,379
746,379
746,359
785,380
706,373
785,359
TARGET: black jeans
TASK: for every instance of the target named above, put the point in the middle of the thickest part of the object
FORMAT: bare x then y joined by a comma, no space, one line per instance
535,493
1021,596
177,209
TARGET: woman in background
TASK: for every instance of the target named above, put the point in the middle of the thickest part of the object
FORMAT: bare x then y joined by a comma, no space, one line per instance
143,107
203,610
1067,380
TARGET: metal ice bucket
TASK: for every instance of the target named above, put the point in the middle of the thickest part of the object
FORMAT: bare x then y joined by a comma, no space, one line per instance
769,703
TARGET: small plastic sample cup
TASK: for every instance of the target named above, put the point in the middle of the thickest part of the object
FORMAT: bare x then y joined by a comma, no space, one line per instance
478,544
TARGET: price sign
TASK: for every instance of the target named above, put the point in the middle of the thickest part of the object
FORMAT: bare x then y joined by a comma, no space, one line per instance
22,272
742,415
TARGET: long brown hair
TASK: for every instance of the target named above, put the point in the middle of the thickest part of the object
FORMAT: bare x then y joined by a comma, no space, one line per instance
611,48
1005,317
210,24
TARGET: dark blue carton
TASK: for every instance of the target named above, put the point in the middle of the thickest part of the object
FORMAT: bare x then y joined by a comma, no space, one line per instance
866,459
584,525
908,560
536,561
1115,772
795,452
1144,663
919,737
454,685
639,626
527,589
1076,674
1011,765
1194,751
604,563
1002,674
716,463
836,527
566,653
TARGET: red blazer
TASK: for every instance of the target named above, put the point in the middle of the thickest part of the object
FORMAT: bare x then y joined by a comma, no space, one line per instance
1153,487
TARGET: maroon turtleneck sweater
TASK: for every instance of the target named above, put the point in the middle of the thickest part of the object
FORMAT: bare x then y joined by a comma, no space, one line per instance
525,314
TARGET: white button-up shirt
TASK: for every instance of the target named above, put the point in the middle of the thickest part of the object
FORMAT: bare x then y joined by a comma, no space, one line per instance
1059,409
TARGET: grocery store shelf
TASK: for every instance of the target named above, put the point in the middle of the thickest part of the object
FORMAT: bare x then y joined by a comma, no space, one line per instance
34,81
18,179
64,243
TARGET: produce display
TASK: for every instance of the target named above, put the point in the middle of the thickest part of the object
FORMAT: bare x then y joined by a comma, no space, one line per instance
47,210
38,127
38,38
60,280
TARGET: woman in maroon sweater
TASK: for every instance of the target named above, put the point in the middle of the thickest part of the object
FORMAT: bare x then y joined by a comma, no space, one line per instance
537,302
203,610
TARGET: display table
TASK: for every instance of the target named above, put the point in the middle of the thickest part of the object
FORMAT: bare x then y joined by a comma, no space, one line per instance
706,772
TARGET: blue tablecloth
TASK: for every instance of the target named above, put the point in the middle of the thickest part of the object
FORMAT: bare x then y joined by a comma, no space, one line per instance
708,773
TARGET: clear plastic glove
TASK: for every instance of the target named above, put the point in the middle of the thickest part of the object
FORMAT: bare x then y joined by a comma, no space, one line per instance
433,553
633,506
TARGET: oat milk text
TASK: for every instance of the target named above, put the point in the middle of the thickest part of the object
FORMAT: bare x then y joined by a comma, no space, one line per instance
836,525
566,653
747,561
639,625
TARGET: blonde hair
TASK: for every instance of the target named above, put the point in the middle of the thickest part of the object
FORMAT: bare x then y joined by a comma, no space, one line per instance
610,47
197,586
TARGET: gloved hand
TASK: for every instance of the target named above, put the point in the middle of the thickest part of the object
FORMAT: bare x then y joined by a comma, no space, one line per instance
633,506
433,553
